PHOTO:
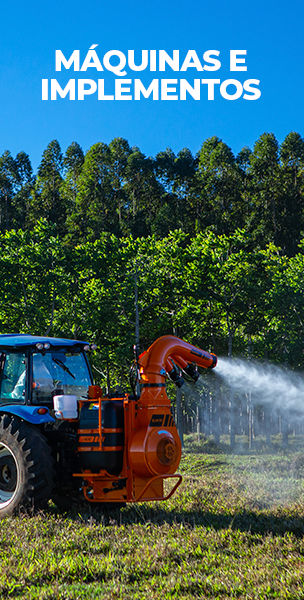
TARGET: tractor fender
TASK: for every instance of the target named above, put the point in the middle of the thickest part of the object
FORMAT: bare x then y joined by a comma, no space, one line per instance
28,413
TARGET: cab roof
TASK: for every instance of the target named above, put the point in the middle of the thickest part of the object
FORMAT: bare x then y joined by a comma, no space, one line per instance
23,340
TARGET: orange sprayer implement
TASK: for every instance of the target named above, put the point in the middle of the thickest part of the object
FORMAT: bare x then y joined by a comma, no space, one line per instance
143,446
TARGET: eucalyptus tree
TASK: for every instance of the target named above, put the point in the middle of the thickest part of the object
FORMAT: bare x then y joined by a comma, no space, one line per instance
16,184
23,187
164,168
185,168
72,164
266,197
175,173
47,201
119,153
7,181
292,182
246,186
218,203
95,210
143,192
165,214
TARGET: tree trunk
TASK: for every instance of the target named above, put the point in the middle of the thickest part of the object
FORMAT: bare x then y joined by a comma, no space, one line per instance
232,419
108,380
198,424
267,425
250,422
179,414
284,429
216,412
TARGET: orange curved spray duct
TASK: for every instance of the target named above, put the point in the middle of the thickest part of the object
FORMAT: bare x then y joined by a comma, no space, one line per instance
155,446
155,362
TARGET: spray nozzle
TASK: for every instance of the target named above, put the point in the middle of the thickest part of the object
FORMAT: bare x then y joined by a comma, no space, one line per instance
192,371
175,376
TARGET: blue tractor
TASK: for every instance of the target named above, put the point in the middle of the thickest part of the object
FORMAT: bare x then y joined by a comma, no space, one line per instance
37,445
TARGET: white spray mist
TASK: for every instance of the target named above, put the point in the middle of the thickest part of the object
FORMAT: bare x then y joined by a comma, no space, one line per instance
282,388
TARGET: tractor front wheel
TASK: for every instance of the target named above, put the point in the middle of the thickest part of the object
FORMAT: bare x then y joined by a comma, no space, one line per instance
26,466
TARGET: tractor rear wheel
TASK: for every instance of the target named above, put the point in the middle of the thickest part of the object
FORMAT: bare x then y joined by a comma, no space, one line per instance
26,466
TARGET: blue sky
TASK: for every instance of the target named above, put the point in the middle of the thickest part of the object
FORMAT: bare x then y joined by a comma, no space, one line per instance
271,32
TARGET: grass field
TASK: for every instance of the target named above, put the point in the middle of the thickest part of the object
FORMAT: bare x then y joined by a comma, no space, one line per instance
234,529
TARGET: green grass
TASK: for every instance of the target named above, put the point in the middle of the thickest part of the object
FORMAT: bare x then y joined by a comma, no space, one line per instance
206,445
234,529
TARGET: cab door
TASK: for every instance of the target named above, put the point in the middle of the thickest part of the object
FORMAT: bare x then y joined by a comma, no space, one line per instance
13,377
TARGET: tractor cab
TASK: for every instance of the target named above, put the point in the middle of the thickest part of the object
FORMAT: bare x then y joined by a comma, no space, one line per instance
34,369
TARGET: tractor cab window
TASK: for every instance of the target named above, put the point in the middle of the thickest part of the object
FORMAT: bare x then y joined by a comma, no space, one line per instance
58,372
43,382
13,377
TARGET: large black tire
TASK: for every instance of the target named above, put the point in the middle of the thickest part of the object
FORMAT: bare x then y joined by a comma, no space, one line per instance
26,466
